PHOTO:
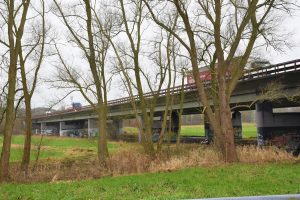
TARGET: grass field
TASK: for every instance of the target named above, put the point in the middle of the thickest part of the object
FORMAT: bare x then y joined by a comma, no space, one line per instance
249,130
52,147
234,180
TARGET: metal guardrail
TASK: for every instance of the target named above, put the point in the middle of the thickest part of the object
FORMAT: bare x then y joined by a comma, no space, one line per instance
280,68
272,197
271,70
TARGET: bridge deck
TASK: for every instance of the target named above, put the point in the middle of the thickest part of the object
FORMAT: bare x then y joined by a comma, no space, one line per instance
259,75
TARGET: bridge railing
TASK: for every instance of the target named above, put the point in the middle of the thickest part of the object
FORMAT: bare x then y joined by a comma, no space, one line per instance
280,68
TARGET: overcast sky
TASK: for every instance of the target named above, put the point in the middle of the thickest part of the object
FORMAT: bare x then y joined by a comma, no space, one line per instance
45,96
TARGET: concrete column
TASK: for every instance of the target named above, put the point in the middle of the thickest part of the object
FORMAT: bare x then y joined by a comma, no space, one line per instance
175,122
36,128
264,119
89,127
236,119
42,127
115,128
208,129
93,130
141,124
60,128
118,124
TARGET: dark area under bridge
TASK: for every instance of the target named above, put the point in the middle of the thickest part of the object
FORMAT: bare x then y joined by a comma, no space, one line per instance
248,90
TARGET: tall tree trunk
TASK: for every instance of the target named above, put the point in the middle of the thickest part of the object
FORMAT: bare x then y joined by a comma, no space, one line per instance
28,134
147,135
102,109
9,121
227,132
103,154
14,45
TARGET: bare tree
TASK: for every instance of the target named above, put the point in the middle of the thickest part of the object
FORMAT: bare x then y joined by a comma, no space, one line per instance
15,29
169,98
33,51
222,35
128,63
85,36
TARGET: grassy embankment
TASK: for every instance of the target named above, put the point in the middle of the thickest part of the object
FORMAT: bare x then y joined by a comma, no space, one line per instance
231,180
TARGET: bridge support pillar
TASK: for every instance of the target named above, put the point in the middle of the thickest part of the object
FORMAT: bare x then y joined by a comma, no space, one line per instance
115,128
141,124
236,119
60,129
208,129
118,126
42,128
36,128
264,119
89,128
175,122
92,127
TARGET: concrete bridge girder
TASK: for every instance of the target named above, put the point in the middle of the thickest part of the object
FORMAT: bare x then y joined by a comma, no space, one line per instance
246,93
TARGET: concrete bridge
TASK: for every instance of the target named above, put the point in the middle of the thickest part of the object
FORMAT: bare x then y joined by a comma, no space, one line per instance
249,89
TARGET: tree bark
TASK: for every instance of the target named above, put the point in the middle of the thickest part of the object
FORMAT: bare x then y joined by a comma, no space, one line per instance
103,154
28,134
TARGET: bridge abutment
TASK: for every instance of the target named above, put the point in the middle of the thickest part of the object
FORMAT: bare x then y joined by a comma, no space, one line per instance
264,120
272,125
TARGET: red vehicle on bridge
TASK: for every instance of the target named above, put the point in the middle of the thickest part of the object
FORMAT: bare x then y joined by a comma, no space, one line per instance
205,72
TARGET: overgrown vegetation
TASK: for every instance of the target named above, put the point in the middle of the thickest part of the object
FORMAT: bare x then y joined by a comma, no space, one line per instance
65,159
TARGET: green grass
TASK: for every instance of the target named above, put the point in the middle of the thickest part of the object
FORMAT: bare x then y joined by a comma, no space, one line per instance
225,181
56,147
192,130
131,130
58,142
249,130
16,154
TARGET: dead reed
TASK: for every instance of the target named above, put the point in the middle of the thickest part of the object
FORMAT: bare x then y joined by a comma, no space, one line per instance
133,160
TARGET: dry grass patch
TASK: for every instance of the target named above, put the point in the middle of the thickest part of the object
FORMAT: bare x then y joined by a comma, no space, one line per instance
253,154
133,160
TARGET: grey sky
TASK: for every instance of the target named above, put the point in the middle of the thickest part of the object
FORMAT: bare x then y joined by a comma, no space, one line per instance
44,95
